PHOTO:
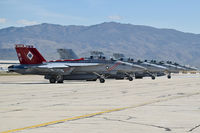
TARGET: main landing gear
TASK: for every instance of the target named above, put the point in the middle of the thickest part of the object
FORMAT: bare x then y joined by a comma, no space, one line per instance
153,77
130,78
100,77
54,79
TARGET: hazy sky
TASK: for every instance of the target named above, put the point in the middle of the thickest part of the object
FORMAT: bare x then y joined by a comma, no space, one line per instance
183,15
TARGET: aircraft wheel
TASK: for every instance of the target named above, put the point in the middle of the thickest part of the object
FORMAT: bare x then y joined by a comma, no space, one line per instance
153,77
130,78
60,81
102,80
52,80
169,76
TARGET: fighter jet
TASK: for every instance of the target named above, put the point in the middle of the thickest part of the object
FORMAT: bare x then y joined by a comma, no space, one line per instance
185,67
98,55
32,62
151,70
171,67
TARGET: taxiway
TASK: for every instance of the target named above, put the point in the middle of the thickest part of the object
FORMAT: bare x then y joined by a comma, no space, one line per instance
29,104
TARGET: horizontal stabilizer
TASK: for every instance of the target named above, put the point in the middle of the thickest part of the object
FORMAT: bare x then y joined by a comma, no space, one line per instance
66,65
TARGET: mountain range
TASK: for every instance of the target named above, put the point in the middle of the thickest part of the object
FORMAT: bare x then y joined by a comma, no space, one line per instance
136,41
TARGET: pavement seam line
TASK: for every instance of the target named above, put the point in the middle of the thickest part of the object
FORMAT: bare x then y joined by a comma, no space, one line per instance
98,113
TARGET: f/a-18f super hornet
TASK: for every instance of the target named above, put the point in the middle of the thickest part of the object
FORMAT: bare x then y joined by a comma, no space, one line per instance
32,62
171,68
184,68
152,70
98,55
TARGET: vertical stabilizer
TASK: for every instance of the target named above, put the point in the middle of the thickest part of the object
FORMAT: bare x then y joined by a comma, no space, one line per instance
27,54
67,54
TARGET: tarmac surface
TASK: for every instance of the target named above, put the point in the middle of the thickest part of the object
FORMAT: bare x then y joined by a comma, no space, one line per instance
29,104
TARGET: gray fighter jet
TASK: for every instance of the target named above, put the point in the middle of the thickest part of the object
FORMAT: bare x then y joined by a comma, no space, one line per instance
186,68
170,67
98,55
151,70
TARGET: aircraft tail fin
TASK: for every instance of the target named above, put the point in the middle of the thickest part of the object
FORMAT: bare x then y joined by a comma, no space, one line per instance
67,54
27,54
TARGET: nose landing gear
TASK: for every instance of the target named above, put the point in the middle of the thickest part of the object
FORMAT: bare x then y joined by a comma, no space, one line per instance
102,80
153,77
169,76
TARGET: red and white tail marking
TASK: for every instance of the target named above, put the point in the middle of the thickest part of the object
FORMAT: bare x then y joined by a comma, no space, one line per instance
27,54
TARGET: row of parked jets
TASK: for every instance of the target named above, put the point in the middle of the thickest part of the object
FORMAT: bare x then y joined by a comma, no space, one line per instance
91,68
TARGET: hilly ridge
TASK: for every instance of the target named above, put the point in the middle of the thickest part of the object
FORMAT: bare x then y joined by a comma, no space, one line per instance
140,42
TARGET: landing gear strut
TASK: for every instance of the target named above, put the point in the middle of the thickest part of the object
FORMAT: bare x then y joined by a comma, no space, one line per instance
129,76
59,79
153,76
100,77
